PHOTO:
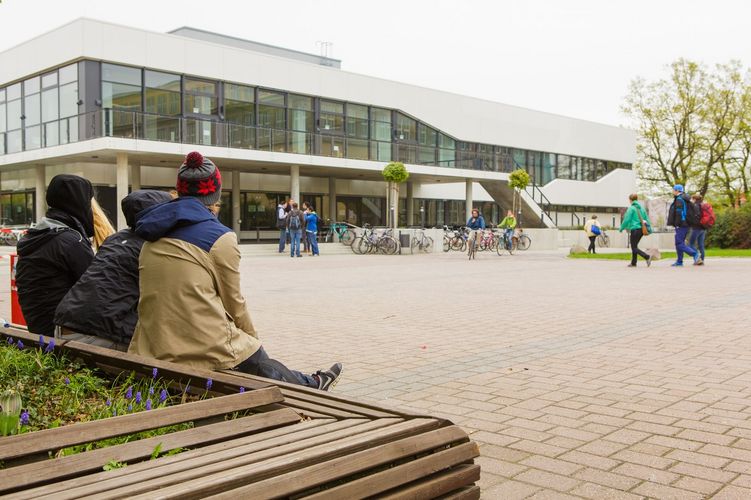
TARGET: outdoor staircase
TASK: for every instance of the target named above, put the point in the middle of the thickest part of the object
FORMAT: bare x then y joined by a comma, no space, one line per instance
535,207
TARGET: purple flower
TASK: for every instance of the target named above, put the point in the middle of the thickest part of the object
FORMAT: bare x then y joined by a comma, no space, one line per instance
129,393
10,341
19,344
41,341
138,397
163,396
24,417
154,373
148,404
108,403
50,347
242,389
67,381
130,407
209,383
151,391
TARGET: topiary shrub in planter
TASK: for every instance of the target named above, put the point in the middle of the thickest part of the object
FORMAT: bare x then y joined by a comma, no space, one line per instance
518,180
394,173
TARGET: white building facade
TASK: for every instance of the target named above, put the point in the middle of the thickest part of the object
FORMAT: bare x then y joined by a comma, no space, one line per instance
122,106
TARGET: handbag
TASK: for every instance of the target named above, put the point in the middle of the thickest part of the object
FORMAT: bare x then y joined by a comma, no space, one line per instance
595,230
644,229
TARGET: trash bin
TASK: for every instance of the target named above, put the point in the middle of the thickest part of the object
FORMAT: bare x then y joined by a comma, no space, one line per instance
403,241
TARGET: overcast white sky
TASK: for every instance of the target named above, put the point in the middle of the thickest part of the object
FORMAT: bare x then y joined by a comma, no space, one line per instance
572,57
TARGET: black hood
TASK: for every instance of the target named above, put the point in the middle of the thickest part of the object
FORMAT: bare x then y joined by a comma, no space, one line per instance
69,196
138,201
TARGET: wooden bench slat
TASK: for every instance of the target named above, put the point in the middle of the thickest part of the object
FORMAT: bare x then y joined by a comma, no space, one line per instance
164,471
47,471
265,462
406,473
86,432
438,484
326,410
466,493
301,479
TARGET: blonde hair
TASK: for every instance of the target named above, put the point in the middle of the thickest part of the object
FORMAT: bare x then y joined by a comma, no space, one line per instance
102,226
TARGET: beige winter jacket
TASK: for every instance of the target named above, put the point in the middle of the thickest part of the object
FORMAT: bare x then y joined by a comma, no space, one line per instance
191,309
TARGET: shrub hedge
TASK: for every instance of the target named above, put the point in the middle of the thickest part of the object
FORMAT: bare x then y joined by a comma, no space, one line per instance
732,229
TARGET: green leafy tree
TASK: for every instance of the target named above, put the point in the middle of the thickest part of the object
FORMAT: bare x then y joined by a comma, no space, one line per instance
518,180
394,173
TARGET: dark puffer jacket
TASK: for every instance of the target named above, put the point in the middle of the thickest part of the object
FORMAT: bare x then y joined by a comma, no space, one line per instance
677,216
104,302
55,253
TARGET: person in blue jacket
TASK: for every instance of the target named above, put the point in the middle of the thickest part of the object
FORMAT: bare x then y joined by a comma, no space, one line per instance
477,224
311,229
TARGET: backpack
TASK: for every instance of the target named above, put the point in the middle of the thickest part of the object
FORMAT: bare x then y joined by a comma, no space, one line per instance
294,221
691,212
707,216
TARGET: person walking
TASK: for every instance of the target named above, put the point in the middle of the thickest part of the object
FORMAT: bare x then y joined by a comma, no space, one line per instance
592,228
698,231
295,222
681,214
56,252
305,242
311,229
636,222
101,308
191,309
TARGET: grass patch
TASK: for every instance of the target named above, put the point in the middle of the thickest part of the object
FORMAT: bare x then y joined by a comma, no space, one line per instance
711,252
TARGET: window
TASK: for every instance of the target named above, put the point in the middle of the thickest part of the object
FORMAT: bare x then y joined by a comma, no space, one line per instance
121,92
380,133
446,151
548,167
332,117
271,117
301,122
162,98
406,128
200,97
239,111
357,121
564,166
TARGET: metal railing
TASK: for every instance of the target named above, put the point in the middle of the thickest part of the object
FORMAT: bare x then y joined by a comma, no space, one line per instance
534,191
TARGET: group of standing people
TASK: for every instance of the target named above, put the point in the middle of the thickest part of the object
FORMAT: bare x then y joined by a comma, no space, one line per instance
167,287
298,226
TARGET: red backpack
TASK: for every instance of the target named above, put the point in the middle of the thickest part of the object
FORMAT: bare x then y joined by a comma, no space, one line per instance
707,216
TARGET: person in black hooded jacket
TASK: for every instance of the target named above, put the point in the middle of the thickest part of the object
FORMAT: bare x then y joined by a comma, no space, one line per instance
102,307
56,252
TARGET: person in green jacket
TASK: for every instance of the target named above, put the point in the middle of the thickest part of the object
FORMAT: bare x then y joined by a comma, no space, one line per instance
632,222
508,224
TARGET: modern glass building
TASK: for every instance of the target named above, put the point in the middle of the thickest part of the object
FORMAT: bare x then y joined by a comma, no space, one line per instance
122,106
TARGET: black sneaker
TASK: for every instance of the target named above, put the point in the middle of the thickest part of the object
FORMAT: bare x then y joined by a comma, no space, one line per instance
327,379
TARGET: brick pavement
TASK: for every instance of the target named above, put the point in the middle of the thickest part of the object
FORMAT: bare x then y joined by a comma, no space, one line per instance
572,375
580,379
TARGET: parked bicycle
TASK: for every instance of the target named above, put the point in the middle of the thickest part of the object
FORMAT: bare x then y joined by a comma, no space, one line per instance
523,242
421,242
603,239
345,231
373,242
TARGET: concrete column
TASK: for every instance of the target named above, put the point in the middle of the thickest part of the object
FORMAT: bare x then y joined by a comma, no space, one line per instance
122,187
468,196
294,183
40,204
332,198
236,203
135,177
410,207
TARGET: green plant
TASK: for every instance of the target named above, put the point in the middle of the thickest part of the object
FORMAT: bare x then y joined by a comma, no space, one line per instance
395,172
10,412
518,180
114,464
732,229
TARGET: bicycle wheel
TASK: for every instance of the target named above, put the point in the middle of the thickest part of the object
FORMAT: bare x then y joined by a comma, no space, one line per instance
348,237
471,248
603,240
457,244
500,247
413,244
356,246
446,244
427,246
524,242
388,245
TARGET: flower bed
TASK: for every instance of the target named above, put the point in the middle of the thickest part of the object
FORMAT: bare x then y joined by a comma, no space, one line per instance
56,390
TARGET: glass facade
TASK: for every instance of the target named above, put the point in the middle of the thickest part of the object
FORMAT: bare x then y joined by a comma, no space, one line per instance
143,103
17,208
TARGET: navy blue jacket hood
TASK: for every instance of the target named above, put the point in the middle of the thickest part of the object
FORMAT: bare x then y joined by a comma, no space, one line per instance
160,220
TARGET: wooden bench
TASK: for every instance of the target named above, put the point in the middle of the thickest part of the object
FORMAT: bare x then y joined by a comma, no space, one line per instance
297,443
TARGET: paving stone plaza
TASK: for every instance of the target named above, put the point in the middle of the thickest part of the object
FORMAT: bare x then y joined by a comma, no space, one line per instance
579,379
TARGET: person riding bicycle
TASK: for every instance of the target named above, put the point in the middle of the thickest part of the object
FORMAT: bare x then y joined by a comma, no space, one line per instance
476,224
508,224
